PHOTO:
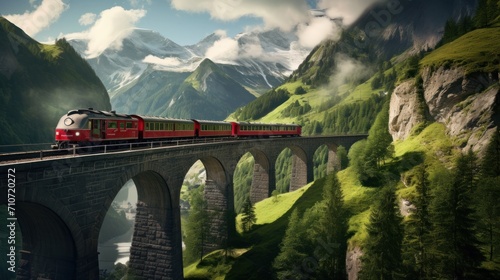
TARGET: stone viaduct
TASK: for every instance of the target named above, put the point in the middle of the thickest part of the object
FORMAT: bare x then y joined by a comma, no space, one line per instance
60,204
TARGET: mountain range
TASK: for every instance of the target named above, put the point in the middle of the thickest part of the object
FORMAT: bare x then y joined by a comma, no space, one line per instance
167,77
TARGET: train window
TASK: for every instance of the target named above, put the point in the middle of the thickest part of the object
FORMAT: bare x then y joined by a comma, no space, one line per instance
122,125
112,125
129,124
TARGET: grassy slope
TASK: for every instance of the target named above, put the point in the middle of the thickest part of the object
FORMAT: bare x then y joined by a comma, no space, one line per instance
476,51
315,97
266,236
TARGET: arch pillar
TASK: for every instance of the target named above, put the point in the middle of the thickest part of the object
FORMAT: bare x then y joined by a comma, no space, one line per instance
302,169
333,161
264,177
156,251
219,198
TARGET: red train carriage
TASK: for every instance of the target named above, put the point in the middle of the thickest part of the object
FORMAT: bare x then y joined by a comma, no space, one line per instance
246,129
160,128
212,128
88,126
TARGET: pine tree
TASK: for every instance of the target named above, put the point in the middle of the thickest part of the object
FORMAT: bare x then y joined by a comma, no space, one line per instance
378,148
488,201
487,197
490,166
482,16
332,227
342,156
248,215
417,238
456,247
196,227
382,253
289,260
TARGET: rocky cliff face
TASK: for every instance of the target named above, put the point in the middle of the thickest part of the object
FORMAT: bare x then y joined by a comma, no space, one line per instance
467,104
403,110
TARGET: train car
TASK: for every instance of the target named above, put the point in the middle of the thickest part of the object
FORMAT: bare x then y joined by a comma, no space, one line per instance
212,128
246,129
89,127
164,128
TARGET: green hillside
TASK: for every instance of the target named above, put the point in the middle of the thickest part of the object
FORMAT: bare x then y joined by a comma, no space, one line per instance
39,83
475,51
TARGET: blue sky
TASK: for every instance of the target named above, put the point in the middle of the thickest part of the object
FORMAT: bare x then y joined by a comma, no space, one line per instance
183,21
183,27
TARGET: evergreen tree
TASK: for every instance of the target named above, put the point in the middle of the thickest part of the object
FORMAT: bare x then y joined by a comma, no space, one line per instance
289,261
332,227
417,238
248,218
488,210
378,80
490,166
342,156
456,247
196,226
378,148
481,18
487,197
382,251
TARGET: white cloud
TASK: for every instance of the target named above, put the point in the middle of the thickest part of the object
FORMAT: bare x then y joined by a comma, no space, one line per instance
349,10
223,50
87,19
317,30
167,61
348,69
112,26
45,14
284,14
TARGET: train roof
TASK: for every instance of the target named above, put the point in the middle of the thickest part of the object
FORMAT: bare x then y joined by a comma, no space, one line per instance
162,119
90,112
211,122
253,123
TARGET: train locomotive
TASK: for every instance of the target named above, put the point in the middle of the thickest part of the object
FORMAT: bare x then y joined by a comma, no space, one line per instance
88,127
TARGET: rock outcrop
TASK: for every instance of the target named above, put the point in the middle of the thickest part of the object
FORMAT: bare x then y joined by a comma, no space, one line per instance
468,104
403,111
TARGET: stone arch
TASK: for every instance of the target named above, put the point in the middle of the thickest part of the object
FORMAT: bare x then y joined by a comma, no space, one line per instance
48,249
215,170
302,168
219,200
152,190
157,230
264,177
332,161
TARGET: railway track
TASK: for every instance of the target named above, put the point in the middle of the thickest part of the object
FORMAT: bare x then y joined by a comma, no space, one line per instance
44,154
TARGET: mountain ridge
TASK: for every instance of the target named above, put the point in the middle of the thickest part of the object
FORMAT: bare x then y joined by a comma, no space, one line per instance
40,80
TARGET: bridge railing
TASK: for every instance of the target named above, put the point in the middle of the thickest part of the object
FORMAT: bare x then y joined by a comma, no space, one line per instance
75,150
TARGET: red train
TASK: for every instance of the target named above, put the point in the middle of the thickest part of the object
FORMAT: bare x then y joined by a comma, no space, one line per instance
86,127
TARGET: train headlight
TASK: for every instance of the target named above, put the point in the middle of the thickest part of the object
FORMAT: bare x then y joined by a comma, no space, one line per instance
77,133
57,132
